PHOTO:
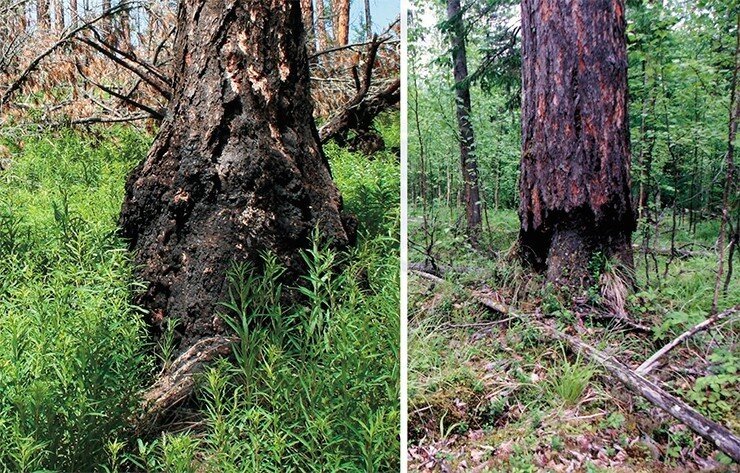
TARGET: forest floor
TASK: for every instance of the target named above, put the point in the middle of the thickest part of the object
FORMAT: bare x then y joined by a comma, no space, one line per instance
74,356
492,393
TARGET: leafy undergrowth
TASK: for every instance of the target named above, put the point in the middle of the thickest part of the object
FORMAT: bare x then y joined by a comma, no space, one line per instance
313,388
491,393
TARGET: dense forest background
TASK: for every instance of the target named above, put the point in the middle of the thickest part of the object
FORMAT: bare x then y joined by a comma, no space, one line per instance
491,393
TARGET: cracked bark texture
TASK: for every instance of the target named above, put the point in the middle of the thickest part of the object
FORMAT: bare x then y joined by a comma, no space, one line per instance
236,169
574,185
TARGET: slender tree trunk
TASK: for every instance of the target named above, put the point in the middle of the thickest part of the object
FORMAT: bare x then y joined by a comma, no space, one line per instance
341,21
575,185
322,37
107,24
123,33
236,169
73,14
59,15
368,21
42,15
730,184
308,25
468,161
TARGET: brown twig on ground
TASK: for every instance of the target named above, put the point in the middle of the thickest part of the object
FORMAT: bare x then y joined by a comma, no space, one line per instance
720,436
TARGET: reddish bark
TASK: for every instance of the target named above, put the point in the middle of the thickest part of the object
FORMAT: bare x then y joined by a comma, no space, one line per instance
575,182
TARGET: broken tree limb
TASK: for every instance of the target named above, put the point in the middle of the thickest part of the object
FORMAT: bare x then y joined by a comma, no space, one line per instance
721,437
177,382
362,112
651,362
65,39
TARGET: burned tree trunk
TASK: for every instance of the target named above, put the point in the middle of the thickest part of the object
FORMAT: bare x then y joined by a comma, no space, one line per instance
468,162
575,184
237,168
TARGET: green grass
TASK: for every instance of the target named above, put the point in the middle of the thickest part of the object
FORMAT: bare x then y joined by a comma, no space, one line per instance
535,398
314,387
71,350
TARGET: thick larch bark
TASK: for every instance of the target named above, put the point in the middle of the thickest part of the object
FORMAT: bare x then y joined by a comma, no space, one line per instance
468,162
575,183
236,169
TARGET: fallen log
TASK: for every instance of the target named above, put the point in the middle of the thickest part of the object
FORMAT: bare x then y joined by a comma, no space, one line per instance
677,253
651,362
721,437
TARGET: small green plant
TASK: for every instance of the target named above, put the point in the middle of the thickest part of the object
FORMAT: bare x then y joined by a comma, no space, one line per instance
569,380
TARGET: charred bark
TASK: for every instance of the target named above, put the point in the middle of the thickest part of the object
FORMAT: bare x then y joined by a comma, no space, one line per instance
574,185
237,168
468,161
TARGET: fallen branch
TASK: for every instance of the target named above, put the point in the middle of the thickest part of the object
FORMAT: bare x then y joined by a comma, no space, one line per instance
162,87
155,114
361,112
720,436
677,253
651,362
126,119
178,381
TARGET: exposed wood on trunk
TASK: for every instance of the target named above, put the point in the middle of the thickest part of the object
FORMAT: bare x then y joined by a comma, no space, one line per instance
652,362
236,169
575,184
468,160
